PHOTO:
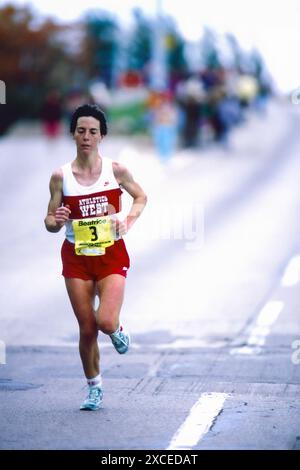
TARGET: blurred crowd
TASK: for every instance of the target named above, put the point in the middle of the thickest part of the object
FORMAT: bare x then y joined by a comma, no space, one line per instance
49,69
200,108
204,107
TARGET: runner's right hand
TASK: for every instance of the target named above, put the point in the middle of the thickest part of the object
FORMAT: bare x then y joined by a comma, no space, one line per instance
62,214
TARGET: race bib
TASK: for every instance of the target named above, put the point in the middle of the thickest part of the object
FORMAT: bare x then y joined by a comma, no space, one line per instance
92,235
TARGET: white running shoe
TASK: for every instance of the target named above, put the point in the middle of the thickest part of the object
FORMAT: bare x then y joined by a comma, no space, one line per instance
93,400
121,340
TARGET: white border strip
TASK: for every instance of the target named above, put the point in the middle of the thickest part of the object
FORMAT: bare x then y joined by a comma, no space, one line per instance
199,421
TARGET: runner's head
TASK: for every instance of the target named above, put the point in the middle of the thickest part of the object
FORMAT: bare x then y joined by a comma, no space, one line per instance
87,110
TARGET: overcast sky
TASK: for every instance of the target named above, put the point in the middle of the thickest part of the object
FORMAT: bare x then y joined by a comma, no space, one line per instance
272,27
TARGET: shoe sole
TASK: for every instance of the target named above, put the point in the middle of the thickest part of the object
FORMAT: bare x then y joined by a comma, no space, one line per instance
90,409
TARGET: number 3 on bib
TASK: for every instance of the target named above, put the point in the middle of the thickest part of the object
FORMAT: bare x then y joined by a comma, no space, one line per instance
92,235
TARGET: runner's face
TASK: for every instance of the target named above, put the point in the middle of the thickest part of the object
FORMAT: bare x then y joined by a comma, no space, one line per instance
87,134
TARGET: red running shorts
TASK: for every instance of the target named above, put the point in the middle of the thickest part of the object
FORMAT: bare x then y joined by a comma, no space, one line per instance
95,268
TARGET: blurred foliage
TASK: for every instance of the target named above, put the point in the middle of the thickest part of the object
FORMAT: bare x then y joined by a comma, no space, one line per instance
175,50
139,50
236,51
100,47
209,50
140,44
32,61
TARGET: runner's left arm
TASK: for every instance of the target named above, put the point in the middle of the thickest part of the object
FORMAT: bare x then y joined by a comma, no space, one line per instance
125,179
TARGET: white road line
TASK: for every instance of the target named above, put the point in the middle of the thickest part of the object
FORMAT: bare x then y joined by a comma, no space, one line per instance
261,328
198,422
291,275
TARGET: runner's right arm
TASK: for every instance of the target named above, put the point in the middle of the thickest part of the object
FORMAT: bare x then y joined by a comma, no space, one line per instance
57,214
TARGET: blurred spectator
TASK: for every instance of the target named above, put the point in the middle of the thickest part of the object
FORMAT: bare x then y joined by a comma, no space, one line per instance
51,114
247,89
227,114
75,98
225,111
163,123
190,97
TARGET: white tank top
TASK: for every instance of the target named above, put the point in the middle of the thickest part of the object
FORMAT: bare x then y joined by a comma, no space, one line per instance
99,199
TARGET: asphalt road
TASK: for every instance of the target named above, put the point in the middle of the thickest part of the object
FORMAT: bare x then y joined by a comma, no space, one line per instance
212,301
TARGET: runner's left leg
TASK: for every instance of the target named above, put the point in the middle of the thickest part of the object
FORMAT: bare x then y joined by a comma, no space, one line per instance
111,290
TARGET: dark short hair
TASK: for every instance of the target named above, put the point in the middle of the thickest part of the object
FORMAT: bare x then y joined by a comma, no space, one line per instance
89,110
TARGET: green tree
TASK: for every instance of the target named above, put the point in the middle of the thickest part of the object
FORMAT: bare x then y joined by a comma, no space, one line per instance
100,47
33,60
175,48
139,48
236,51
209,51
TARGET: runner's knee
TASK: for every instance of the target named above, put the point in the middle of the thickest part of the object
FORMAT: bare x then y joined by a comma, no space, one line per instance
107,325
88,332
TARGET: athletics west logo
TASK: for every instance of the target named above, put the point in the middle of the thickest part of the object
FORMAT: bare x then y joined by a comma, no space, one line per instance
91,206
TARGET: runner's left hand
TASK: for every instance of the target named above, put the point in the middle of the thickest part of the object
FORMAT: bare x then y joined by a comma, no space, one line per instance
119,227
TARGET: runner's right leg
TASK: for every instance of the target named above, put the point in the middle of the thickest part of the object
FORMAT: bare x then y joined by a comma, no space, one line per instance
81,294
